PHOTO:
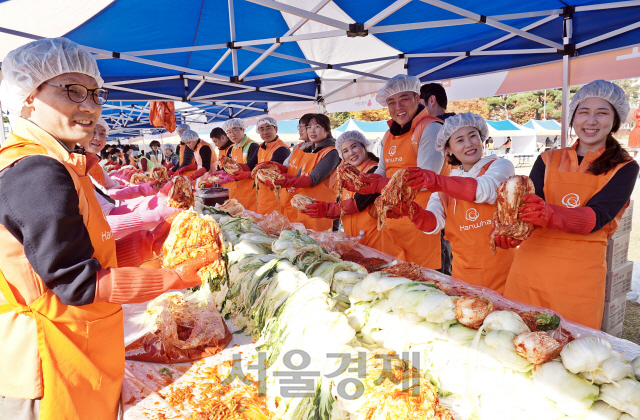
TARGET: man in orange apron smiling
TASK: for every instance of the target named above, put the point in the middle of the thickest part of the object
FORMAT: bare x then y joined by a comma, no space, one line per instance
410,142
581,192
271,150
243,151
62,352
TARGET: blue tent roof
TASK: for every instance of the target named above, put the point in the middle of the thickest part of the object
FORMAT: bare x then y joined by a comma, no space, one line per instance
545,124
505,125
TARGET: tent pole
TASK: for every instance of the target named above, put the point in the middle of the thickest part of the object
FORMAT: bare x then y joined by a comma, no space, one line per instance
2,137
566,78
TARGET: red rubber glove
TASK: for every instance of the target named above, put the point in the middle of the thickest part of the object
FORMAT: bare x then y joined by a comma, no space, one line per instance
167,165
184,169
422,219
454,186
506,242
374,184
283,169
197,174
580,220
143,245
291,181
240,175
244,167
322,209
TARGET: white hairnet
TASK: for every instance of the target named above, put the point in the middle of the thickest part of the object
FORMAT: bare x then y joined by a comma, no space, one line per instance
167,146
103,123
189,135
28,66
458,121
606,90
232,123
183,128
267,120
397,84
351,135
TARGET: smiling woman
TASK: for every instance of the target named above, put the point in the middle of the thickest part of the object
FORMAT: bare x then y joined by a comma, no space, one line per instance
58,257
581,193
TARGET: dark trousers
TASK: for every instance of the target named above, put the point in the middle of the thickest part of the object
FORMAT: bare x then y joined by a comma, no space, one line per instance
445,255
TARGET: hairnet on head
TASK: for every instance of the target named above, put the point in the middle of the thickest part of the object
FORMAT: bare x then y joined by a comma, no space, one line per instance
606,90
267,120
351,135
189,135
183,128
167,146
135,153
103,123
458,121
28,66
397,84
232,123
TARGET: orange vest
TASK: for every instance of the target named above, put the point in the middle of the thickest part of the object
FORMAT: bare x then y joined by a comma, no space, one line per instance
565,271
97,173
181,148
467,227
267,200
362,221
70,356
324,191
285,197
400,237
243,190
196,153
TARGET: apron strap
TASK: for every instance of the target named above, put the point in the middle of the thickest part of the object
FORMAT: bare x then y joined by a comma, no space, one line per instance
12,304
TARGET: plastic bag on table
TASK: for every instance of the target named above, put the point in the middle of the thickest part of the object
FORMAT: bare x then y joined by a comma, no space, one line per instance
339,242
299,227
274,223
182,326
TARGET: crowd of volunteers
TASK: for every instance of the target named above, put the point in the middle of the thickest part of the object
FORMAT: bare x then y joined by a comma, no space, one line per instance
74,237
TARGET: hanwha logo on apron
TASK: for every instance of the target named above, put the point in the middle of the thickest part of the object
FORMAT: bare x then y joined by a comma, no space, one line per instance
571,200
392,151
472,214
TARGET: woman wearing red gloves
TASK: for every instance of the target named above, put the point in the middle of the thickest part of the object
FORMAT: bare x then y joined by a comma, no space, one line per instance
311,172
581,192
352,148
464,205
60,315
204,155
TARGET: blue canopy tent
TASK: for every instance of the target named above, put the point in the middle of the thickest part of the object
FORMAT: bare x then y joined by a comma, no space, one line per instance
252,51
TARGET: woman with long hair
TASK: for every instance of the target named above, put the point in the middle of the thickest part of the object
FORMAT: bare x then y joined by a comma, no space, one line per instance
581,193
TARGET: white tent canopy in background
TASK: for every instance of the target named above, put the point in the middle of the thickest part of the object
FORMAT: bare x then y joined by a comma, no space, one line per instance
523,139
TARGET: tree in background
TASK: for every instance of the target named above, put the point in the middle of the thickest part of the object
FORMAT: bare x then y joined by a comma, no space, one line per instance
338,118
381,114
477,106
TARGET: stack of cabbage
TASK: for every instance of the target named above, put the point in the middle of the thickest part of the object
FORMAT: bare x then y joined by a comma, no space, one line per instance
486,364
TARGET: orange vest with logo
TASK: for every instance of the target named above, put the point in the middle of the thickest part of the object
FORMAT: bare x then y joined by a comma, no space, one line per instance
267,200
70,356
295,163
562,271
400,237
362,222
467,227
304,164
243,190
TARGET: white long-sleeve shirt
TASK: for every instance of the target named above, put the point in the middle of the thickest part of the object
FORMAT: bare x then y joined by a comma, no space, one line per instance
499,171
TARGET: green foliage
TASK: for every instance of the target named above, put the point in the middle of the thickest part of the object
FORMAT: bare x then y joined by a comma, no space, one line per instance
338,118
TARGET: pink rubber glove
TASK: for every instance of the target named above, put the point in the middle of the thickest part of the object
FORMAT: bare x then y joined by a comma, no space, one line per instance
225,178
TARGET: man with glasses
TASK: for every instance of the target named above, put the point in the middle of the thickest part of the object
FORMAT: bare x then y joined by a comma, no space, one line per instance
271,150
244,150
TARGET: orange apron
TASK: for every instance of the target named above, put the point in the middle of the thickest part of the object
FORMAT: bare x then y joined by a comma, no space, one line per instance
295,163
362,222
196,153
243,190
80,347
400,237
565,271
267,200
467,227
323,191
97,173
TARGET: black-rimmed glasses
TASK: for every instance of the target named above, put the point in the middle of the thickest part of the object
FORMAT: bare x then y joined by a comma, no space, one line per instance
78,93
